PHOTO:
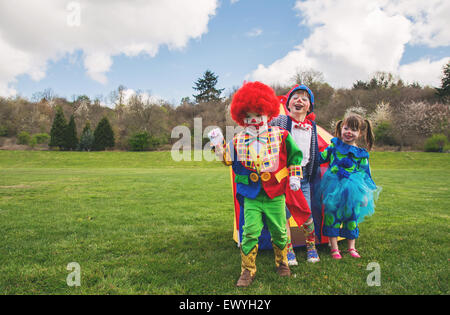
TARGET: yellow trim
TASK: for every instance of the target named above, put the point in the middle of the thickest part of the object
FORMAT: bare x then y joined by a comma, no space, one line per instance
292,222
284,172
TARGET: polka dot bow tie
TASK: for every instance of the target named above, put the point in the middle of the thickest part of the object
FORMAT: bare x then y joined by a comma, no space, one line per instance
302,126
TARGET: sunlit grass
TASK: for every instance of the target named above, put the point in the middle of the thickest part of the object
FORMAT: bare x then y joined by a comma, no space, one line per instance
140,223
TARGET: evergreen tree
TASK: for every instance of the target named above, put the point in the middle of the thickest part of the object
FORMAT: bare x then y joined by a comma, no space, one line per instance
103,135
444,91
86,139
87,127
71,139
206,86
57,133
140,141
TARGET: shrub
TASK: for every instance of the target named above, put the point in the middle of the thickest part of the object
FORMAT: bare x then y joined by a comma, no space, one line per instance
143,141
3,131
156,142
41,138
23,138
384,134
436,143
447,148
32,142
139,141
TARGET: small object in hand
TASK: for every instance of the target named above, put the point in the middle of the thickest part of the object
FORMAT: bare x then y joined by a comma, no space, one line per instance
216,137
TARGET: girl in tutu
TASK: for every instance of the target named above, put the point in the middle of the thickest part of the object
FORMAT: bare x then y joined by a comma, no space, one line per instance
347,189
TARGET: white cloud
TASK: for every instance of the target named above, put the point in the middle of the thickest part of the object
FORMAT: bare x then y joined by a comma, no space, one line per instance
352,39
425,71
254,32
97,64
35,32
144,96
429,19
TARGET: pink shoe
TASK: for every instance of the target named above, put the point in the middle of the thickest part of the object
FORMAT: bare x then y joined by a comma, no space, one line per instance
354,253
336,254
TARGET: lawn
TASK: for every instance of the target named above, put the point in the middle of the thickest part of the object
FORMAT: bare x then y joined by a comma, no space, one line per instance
140,223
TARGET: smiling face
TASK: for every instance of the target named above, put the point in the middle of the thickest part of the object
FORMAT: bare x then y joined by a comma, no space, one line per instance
349,135
299,103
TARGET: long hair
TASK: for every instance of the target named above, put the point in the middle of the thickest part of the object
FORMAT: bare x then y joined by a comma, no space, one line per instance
356,122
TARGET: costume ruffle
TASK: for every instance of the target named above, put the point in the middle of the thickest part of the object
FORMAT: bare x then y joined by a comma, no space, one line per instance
348,195
345,148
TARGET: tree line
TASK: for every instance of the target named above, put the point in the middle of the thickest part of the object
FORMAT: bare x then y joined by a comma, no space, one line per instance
64,136
405,115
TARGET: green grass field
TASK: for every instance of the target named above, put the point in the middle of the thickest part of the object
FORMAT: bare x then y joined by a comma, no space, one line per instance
140,223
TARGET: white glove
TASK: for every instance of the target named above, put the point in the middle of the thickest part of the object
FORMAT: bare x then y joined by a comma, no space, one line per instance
216,138
294,183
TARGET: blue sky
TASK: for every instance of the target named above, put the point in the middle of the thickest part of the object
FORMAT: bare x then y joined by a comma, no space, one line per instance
226,49
262,40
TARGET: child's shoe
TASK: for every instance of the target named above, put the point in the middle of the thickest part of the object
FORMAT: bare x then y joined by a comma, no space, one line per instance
292,261
353,253
312,256
336,254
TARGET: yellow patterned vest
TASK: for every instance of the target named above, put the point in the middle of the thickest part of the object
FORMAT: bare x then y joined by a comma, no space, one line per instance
268,158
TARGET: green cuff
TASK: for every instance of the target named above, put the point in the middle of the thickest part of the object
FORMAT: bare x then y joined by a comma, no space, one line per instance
241,179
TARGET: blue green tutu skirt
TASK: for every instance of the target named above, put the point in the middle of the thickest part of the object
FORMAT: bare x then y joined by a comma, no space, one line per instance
348,198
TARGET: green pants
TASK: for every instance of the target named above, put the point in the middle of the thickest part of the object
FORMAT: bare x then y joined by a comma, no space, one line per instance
275,213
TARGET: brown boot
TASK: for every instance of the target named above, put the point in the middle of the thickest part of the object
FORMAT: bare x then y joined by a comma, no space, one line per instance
245,279
281,261
283,270
248,268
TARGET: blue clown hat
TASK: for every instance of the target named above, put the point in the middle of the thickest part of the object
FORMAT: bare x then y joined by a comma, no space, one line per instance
301,88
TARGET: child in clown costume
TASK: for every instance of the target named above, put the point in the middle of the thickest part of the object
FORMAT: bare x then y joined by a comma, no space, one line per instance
300,123
266,162
347,189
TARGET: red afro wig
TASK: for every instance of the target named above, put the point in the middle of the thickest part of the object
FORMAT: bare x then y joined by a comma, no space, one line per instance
254,97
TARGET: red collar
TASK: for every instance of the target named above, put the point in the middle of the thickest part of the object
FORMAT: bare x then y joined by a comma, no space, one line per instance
310,117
